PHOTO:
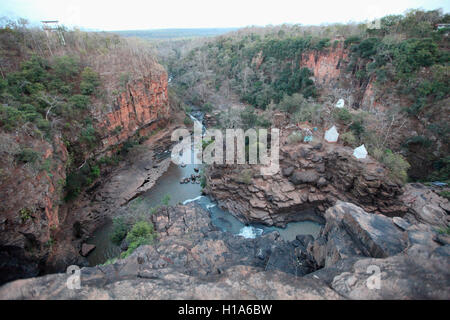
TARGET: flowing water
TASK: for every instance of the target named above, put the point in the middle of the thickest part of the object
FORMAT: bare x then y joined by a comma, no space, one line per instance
169,184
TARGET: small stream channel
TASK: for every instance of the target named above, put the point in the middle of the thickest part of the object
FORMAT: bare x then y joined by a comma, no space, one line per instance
169,184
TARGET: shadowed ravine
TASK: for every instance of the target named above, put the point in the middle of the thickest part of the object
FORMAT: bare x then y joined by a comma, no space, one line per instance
169,184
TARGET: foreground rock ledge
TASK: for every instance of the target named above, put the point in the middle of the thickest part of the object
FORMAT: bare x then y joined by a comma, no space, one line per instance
192,260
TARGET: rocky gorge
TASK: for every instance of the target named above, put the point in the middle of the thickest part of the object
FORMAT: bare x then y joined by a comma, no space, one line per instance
192,260
312,177
392,227
49,233
87,181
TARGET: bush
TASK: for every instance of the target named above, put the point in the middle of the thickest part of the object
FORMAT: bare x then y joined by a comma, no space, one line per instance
124,79
95,172
445,194
412,54
25,214
292,104
10,117
79,101
35,69
342,115
109,261
66,67
89,136
120,230
249,118
295,137
187,121
202,179
165,201
442,170
444,230
206,142
80,178
142,233
207,107
367,47
310,112
90,81
396,163
349,139
419,140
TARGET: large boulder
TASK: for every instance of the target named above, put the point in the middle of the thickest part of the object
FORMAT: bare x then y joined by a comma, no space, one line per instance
86,249
239,282
426,206
191,260
366,256
299,177
350,231
398,277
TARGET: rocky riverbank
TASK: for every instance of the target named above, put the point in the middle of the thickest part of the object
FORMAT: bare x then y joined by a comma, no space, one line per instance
192,260
312,178
39,230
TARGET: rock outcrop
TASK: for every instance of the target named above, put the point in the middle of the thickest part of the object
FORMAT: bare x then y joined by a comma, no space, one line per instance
35,224
191,260
326,65
350,231
426,206
335,72
30,196
407,259
312,178
142,106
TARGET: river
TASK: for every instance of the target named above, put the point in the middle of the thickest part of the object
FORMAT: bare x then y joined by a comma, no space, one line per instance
169,184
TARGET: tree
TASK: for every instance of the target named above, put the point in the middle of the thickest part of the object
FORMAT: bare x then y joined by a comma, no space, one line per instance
90,81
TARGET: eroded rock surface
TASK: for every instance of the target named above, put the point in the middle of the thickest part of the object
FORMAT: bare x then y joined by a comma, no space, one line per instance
191,260
35,224
312,176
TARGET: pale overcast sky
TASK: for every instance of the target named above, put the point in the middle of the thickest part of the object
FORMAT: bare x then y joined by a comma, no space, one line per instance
151,14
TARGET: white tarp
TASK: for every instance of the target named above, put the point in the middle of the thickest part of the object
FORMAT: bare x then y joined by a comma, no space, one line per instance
332,135
340,103
360,152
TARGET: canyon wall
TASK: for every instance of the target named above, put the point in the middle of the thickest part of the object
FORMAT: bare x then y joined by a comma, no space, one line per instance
193,260
326,65
312,178
34,223
335,80
143,103
31,195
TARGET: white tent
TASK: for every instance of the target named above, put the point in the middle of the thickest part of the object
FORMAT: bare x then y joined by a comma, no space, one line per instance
332,135
360,152
340,103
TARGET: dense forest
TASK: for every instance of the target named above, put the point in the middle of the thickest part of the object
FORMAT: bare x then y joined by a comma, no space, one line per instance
407,57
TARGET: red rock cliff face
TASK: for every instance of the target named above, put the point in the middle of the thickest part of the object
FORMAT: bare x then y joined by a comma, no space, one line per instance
30,194
332,77
144,103
335,81
34,228
326,65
